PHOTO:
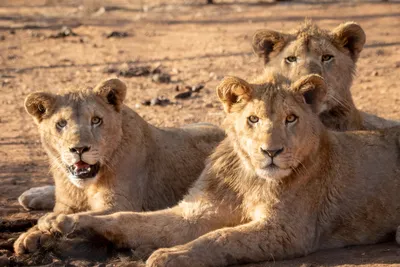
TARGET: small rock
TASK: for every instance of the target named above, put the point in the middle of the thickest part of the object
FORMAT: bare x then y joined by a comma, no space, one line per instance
397,64
2,37
209,105
164,101
99,12
156,68
184,95
161,78
145,102
64,32
110,69
375,73
137,105
115,34
135,71
155,101
197,88
380,52
12,31
176,88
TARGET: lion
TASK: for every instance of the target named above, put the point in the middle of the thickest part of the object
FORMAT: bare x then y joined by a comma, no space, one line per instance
309,49
280,185
104,157
331,54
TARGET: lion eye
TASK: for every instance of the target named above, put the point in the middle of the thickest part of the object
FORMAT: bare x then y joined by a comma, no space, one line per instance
291,59
96,121
61,124
291,118
253,119
326,58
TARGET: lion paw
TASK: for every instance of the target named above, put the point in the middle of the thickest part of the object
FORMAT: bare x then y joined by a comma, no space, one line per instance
38,198
30,241
57,223
175,256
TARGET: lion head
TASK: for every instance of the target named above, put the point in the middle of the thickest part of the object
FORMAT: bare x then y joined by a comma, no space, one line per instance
273,126
80,129
310,50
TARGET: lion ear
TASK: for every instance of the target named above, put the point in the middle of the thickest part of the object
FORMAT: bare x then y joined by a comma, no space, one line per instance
351,36
233,90
40,105
267,43
313,90
113,90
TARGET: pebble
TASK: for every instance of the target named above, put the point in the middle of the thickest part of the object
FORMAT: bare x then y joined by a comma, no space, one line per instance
64,32
145,102
197,88
155,101
184,95
161,78
116,34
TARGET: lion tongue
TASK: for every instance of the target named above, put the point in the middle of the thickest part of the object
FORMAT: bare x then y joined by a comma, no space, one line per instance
81,165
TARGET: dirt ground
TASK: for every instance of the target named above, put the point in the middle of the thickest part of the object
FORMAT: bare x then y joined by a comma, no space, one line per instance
194,43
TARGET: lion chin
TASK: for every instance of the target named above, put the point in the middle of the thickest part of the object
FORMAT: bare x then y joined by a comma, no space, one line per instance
272,173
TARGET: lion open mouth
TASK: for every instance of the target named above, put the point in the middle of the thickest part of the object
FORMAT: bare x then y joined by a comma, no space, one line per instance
82,170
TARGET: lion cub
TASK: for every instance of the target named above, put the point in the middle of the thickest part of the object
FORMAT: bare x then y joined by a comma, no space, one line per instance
331,54
104,157
279,186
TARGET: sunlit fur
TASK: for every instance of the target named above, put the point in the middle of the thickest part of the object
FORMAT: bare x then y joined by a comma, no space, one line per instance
271,104
77,107
338,193
142,167
309,44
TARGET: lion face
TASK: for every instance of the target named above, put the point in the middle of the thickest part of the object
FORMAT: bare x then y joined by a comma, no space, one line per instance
80,129
273,129
310,50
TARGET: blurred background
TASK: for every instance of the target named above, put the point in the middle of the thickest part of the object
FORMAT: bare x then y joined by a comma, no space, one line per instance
171,54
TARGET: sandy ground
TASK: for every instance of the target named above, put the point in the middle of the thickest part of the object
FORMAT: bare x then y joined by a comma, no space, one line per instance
195,44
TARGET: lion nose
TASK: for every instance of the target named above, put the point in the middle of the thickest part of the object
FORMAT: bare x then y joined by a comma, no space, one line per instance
271,152
79,150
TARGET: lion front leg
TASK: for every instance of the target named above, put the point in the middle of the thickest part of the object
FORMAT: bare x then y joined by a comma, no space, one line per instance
252,242
38,198
163,228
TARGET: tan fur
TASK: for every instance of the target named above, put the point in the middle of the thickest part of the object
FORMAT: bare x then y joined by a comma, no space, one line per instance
309,44
328,189
142,167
